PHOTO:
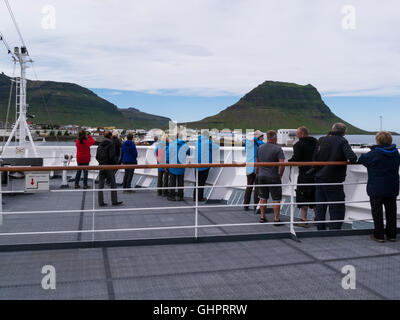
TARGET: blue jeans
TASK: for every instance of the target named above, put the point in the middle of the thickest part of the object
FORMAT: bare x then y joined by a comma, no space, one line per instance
336,211
85,175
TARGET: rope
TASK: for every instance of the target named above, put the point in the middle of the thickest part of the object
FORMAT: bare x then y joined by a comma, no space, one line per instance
15,22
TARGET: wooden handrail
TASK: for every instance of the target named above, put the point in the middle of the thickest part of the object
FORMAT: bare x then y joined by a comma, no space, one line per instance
175,166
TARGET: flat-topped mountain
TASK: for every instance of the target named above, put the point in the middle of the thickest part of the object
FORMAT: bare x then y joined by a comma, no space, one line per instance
277,105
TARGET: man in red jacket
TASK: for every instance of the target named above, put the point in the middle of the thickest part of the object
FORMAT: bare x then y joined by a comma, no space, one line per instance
83,144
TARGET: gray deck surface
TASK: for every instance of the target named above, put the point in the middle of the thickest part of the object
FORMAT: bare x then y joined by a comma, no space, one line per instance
265,269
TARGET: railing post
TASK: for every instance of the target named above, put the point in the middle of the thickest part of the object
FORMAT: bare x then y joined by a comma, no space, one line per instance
1,199
293,233
93,203
197,204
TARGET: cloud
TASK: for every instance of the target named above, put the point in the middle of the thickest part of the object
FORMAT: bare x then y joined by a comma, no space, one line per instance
212,47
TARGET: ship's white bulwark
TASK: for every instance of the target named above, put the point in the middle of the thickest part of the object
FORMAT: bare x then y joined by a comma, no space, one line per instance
230,178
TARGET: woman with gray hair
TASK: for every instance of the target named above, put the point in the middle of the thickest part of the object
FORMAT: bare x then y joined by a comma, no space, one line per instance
382,163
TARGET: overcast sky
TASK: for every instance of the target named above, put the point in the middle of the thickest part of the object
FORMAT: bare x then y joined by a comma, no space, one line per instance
211,48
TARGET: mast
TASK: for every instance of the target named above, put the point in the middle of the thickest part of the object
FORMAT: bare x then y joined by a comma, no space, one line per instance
21,106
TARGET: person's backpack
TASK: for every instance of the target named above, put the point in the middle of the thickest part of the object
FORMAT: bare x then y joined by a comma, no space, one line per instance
102,154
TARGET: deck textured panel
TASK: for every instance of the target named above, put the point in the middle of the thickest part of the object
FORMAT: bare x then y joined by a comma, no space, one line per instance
268,269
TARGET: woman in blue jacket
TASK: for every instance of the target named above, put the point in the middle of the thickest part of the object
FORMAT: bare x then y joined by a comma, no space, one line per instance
128,156
383,185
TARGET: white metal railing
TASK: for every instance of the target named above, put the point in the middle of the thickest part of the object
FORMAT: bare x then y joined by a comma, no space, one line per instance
196,226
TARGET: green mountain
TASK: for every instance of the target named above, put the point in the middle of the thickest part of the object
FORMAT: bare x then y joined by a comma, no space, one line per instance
277,105
59,103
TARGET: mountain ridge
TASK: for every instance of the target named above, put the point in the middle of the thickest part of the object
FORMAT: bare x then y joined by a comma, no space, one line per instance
63,103
276,105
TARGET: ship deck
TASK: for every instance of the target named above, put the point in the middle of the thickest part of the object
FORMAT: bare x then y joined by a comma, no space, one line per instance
262,263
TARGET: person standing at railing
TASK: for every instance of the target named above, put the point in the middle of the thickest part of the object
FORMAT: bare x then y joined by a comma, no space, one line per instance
382,163
83,144
204,154
251,147
177,153
129,156
303,151
161,156
117,146
106,156
334,147
270,152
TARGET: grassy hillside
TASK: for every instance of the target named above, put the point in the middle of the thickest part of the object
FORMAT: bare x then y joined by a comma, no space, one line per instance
68,103
277,105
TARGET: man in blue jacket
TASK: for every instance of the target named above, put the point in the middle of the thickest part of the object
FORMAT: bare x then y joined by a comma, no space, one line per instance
383,185
204,154
251,148
177,152
128,156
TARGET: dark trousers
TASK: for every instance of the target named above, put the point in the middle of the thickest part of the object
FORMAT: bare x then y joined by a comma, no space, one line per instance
203,175
390,205
128,176
108,175
162,182
336,211
85,175
251,180
173,181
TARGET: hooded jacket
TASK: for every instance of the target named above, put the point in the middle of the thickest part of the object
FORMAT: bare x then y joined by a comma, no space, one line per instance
177,152
382,163
129,152
204,148
251,147
303,151
112,157
334,148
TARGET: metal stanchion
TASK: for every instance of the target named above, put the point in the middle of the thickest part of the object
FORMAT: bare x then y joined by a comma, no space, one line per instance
293,233
196,235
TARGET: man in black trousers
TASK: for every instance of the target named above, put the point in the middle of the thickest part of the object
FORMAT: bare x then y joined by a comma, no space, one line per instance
334,147
106,155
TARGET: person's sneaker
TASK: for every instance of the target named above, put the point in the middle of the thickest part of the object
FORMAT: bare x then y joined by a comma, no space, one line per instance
393,240
171,199
117,203
77,186
302,224
376,239
86,187
103,204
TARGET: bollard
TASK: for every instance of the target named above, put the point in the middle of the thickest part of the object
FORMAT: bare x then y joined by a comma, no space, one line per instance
64,184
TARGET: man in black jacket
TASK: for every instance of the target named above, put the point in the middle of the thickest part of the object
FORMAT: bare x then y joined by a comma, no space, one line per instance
303,151
334,147
106,155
